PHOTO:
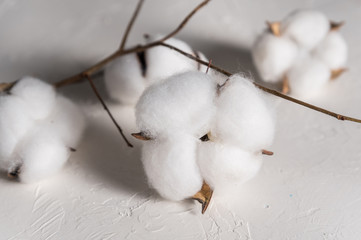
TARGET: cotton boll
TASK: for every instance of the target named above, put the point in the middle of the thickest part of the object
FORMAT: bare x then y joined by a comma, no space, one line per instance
222,166
67,121
170,166
306,27
273,56
38,95
332,50
163,62
124,79
183,102
42,154
14,124
243,118
307,77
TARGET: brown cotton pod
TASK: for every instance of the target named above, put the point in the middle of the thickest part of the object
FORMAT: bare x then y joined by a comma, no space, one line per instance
141,136
275,28
204,196
335,73
335,26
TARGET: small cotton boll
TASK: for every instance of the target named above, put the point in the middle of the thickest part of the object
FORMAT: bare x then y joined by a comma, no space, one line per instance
42,154
273,56
38,95
171,167
223,166
14,124
306,27
163,62
183,102
332,50
67,121
124,79
307,77
243,118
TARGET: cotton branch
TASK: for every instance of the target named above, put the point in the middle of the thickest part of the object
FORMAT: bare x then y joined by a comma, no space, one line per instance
91,70
107,110
268,90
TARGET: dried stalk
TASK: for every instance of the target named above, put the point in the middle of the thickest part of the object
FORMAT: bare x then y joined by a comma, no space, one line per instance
107,110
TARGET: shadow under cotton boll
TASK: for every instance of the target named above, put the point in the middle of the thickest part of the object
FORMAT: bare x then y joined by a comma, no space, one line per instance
106,156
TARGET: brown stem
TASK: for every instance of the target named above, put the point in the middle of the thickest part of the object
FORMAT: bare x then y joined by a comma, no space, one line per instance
267,152
107,110
91,70
268,90
130,25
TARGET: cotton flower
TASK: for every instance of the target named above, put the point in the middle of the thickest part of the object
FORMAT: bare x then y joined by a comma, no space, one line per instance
284,49
225,166
306,27
181,103
171,167
127,76
38,128
198,130
243,117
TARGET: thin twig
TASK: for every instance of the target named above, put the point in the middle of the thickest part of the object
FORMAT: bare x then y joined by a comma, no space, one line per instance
268,90
107,110
130,25
91,70
184,22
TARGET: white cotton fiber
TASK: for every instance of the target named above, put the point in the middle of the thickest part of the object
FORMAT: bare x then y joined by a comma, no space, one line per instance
42,153
171,167
38,95
307,77
223,165
243,117
67,121
14,124
332,50
124,80
273,56
182,103
163,62
306,27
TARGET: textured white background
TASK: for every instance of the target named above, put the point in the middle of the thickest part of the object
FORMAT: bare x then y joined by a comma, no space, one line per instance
310,188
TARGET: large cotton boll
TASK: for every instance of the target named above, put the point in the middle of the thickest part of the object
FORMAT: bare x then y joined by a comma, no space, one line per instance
163,62
273,56
171,167
124,79
243,118
14,124
183,102
38,95
306,27
42,153
223,166
67,121
332,50
307,77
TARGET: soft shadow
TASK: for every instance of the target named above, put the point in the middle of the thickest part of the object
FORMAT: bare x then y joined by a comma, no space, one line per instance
234,59
105,155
